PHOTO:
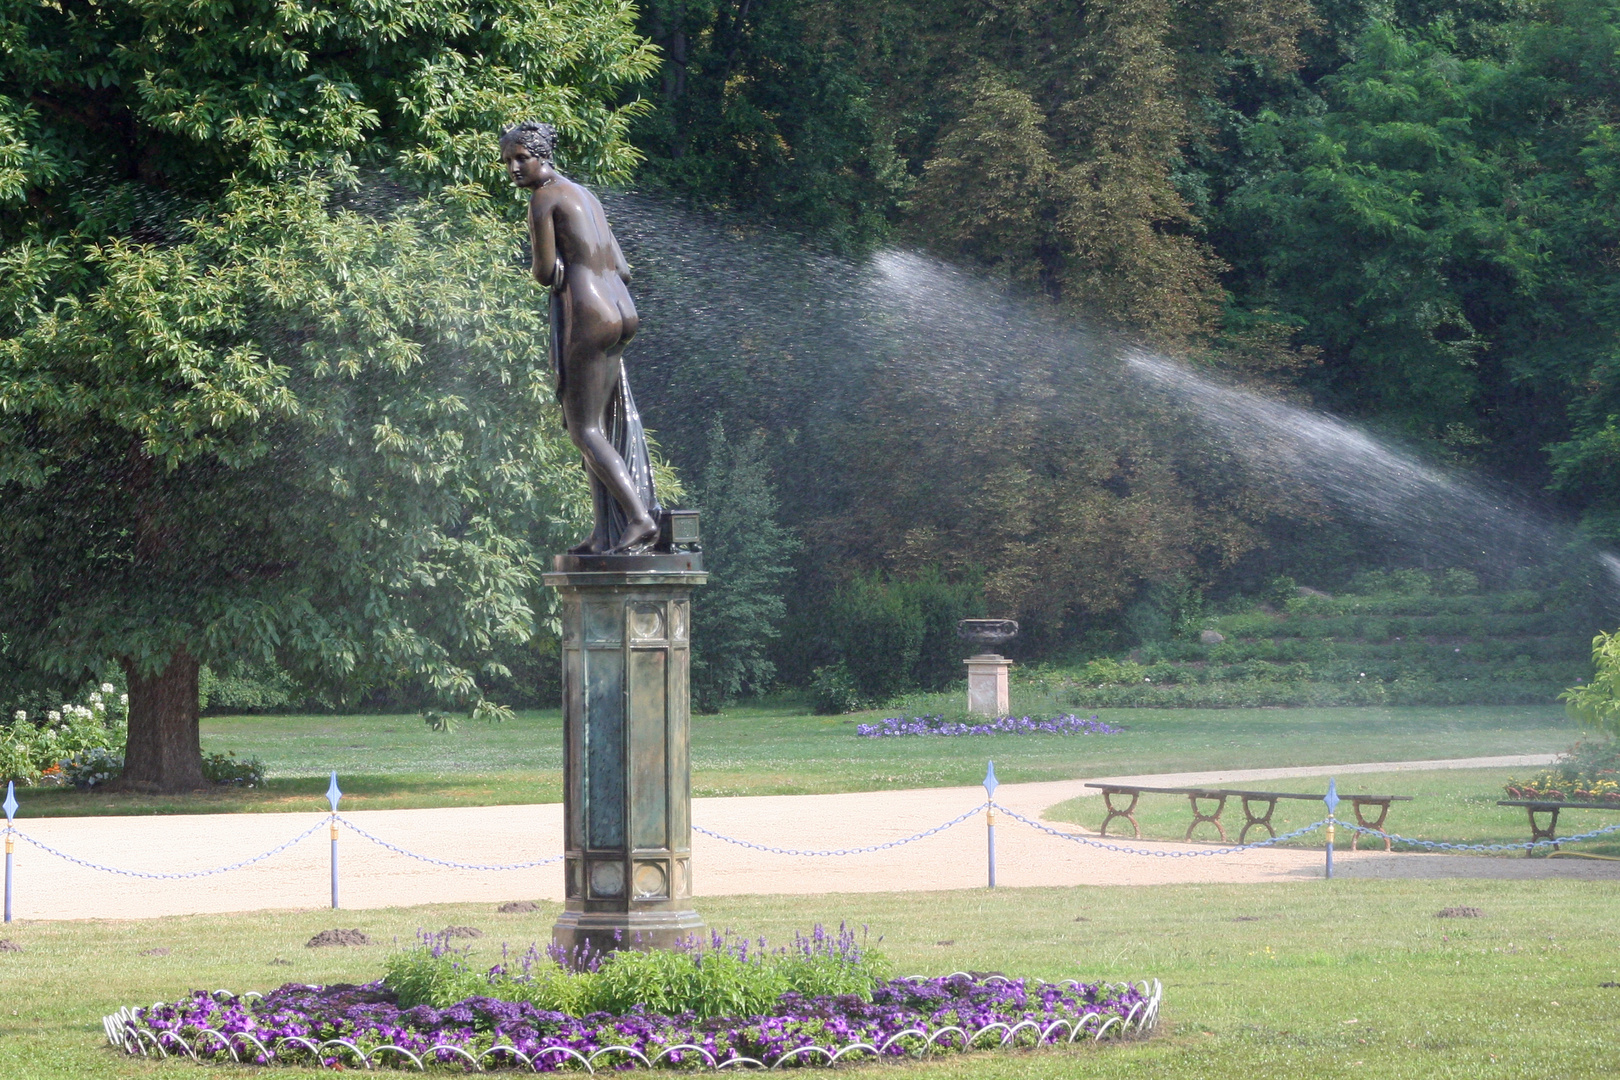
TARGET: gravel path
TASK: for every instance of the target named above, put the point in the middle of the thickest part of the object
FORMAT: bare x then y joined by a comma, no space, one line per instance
49,888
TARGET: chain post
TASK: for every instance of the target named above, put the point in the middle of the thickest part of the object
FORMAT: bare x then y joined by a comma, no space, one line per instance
332,796
990,785
1332,800
11,812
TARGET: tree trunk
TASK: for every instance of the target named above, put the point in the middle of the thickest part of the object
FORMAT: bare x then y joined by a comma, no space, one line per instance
163,753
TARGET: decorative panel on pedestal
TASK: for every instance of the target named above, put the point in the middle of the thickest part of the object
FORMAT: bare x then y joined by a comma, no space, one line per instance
627,786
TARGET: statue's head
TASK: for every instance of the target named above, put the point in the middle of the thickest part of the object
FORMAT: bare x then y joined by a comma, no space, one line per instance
526,150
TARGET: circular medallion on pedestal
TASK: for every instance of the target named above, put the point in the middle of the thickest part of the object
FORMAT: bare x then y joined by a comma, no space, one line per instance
607,879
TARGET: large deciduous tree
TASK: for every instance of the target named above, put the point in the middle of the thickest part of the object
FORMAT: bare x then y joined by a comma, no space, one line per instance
1443,227
273,380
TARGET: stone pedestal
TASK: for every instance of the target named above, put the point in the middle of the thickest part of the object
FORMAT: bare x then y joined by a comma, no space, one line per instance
627,778
987,684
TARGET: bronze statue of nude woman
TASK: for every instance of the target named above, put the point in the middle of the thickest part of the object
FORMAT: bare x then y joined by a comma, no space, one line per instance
592,319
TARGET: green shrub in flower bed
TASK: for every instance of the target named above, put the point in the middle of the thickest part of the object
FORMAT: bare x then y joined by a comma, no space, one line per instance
819,1001
728,975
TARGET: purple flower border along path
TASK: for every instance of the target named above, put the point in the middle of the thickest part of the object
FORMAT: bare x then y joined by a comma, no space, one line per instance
363,1026
373,877
1007,725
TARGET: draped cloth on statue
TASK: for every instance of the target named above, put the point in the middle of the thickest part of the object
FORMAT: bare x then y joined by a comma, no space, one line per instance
624,428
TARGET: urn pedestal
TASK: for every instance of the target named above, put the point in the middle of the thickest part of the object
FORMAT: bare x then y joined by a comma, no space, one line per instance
627,778
987,672
987,684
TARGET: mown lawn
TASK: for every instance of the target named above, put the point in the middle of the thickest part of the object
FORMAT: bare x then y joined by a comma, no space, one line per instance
1453,805
387,762
1345,978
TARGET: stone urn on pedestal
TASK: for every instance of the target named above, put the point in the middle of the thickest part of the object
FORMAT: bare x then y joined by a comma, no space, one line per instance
987,671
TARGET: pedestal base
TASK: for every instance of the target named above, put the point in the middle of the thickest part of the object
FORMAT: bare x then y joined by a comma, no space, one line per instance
987,684
627,869
583,934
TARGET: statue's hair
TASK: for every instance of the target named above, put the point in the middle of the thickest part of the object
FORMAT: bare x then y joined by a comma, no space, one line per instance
539,138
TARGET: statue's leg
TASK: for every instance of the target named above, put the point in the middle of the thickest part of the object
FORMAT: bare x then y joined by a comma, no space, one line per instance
586,409
597,542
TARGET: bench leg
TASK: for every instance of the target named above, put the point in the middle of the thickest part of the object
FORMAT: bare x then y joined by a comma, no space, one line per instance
1129,813
1376,826
1262,820
1214,819
1537,832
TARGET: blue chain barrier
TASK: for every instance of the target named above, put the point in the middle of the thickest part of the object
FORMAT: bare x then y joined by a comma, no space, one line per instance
443,862
1527,845
846,851
1158,854
306,834
1434,845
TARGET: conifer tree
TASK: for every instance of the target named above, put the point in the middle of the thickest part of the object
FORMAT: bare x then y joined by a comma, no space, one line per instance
737,616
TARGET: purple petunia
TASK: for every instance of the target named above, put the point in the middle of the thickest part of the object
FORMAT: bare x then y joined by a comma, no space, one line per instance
368,1017
1006,725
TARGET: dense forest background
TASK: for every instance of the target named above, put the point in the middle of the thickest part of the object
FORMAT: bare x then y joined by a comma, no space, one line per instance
1406,210
1401,212
889,256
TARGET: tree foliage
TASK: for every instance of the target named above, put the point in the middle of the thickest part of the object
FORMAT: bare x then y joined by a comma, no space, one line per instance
1596,704
272,378
753,112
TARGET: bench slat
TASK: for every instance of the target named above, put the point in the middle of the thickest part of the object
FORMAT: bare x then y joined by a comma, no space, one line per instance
1128,789
1317,797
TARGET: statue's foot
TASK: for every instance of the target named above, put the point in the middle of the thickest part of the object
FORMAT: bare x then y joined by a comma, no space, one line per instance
593,546
639,533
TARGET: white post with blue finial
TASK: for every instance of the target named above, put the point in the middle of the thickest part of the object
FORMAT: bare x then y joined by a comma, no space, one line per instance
990,785
11,812
332,796
1332,800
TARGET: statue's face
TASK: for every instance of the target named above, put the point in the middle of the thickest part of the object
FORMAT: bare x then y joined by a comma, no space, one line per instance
526,170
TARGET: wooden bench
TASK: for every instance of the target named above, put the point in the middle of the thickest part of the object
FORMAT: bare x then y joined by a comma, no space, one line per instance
1357,802
1194,796
1253,801
1550,806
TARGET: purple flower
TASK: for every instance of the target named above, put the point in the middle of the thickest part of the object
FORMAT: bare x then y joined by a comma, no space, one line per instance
1006,725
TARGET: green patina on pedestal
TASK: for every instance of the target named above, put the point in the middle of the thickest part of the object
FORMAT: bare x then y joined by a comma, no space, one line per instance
627,777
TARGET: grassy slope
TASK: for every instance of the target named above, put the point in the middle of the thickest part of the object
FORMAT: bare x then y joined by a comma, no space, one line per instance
1515,994
394,761
1456,805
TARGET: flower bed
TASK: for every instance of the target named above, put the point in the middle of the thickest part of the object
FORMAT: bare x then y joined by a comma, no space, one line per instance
346,1026
1005,725
1589,771
1555,788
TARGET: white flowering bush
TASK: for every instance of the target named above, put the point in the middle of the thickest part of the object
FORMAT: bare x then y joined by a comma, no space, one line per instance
35,749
